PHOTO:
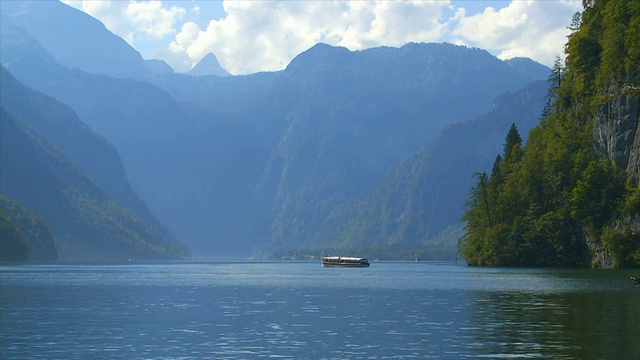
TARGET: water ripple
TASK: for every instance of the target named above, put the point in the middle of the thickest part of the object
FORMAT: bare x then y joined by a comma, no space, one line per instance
302,311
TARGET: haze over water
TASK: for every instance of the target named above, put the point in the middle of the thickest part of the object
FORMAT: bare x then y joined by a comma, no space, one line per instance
299,310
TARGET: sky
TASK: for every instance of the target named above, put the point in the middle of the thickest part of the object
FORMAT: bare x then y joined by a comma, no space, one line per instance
265,35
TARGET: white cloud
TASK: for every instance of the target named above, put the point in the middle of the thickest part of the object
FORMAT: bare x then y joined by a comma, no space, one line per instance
134,21
176,53
151,19
265,35
535,29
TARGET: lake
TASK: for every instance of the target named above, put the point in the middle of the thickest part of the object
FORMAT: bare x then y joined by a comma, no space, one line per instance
300,310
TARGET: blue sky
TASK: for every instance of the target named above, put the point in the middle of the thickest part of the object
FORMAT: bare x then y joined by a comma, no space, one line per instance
261,35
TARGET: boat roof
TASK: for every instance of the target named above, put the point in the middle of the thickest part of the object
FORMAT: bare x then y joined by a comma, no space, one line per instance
343,258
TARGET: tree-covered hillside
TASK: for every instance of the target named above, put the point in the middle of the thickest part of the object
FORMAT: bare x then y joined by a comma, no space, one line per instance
415,211
422,197
24,236
350,116
97,158
86,224
570,197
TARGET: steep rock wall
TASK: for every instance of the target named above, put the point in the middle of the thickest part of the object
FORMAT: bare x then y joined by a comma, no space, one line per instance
616,132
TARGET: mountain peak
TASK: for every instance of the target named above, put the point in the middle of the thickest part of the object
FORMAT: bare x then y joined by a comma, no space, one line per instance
528,65
75,39
319,53
209,65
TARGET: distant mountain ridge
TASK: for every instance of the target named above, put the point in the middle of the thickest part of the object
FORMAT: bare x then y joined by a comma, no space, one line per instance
425,194
76,39
273,160
208,65
355,114
17,43
293,146
158,66
91,152
86,224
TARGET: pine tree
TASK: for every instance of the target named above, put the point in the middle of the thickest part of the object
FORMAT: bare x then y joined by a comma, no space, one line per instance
512,145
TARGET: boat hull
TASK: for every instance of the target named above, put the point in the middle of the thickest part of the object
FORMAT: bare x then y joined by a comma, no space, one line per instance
346,265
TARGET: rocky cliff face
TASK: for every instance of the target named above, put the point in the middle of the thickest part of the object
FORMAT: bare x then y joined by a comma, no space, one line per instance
616,132
616,135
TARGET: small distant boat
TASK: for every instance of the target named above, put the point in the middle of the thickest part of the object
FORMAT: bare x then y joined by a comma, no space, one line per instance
344,261
635,280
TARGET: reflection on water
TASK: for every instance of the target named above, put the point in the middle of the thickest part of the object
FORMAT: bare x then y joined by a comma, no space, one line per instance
303,311
576,325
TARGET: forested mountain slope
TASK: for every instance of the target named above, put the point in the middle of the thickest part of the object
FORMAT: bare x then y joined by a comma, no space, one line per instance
352,115
425,194
92,153
570,197
86,224
25,235
415,211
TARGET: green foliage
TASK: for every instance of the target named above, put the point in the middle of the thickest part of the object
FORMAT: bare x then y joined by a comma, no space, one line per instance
554,81
595,196
558,202
40,243
512,146
621,237
14,246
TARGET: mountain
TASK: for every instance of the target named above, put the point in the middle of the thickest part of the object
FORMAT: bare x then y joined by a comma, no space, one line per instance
17,43
423,196
289,147
145,125
208,65
91,152
281,152
352,115
75,39
158,66
268,160
86,224
527,66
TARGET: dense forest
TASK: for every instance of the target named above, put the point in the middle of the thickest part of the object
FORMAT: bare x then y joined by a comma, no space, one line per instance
25,235
570,196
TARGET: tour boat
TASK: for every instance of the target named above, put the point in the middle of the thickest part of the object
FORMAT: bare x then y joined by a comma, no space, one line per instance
344,261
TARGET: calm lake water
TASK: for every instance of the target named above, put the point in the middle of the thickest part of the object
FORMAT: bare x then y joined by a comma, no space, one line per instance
300,310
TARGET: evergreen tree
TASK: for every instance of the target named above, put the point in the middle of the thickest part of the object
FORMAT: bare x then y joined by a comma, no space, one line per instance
558,202
512,145
554,81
